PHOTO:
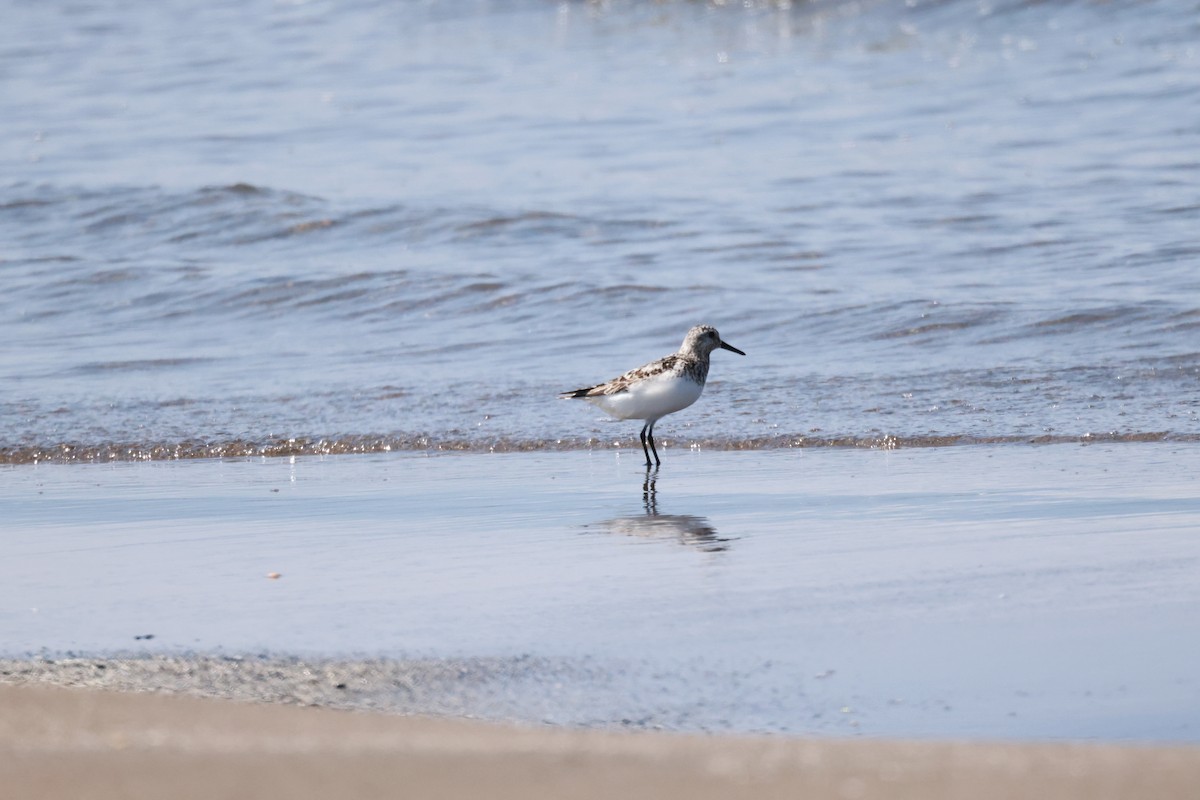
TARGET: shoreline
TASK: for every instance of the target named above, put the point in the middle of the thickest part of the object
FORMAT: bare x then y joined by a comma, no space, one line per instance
528,692
65,453
434,687
90,743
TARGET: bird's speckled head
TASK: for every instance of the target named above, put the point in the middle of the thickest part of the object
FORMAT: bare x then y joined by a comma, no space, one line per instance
702,340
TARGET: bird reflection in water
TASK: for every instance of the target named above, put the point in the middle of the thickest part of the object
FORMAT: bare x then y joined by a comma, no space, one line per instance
687,529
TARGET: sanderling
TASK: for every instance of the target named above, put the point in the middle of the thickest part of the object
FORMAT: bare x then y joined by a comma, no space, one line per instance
659,388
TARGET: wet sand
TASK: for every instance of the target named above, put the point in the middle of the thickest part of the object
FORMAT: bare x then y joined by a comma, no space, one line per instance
57,742
956,622
1016,593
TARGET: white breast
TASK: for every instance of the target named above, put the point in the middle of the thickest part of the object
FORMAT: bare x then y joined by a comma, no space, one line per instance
650,399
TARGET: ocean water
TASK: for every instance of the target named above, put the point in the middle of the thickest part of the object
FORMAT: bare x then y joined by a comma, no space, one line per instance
293,227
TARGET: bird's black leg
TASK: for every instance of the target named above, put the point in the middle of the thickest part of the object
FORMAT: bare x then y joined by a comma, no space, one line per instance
644,450
653,449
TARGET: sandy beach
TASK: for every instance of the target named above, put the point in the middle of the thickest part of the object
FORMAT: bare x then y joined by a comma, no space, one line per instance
912,624
1020,594
58,742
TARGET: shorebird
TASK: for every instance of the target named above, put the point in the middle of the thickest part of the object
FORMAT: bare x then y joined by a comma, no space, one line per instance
659,388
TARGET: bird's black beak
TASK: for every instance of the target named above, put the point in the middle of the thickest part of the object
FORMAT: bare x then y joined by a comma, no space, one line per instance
727,346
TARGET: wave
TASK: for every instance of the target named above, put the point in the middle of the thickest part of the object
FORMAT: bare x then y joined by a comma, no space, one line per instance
224,252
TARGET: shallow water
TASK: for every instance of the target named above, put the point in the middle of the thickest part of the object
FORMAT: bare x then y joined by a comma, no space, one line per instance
998,591
318,227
